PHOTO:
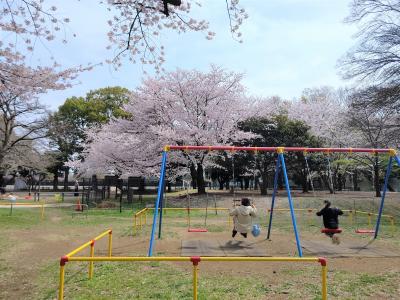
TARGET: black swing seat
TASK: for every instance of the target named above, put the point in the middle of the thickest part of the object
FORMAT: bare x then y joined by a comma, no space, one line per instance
329,230
365,231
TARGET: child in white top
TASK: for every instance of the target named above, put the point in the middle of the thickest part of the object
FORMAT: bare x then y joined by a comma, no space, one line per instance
242,217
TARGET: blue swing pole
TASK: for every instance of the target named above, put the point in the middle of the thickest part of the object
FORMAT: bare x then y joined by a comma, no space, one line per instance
281,157
388,171
397,159
161,206
273,196
161,212
159,199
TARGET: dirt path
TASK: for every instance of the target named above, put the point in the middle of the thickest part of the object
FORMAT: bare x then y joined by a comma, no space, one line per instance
30,250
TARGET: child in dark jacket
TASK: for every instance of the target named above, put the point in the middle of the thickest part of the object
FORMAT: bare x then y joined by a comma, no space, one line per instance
330,218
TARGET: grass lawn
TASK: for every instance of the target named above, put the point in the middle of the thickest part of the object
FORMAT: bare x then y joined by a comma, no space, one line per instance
30,249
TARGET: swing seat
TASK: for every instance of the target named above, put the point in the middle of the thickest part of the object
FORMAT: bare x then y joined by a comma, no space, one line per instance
365,231
328,230
197,230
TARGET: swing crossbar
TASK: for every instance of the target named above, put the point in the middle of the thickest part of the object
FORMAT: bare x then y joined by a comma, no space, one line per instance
276,149
197,230
330,230
365,231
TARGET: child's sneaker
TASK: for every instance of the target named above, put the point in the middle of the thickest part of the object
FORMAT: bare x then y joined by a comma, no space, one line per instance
335,240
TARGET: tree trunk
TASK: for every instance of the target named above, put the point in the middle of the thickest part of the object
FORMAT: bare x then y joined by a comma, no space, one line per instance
256,183
246,183
94,187
221,184
169,187
304,183
327,183
264,184
340,182
376,176
66,173
29,184
142,185
55,180
280,181
355,180
193,174
335,181
201,188
2,169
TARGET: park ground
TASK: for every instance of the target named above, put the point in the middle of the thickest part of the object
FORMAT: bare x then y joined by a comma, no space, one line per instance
31,247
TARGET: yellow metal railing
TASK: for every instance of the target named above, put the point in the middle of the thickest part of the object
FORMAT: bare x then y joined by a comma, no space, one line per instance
369,214
70,257
40,205
195,260
139,220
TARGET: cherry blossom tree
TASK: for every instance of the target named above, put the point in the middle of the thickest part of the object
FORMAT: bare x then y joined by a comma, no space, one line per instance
350,119
325,111
181,108
31,20
136,26
24,24
22,117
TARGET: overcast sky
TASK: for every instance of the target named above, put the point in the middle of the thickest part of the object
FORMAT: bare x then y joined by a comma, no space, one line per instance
289,45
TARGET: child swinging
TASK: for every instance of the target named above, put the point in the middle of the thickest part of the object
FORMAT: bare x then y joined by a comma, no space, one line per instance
330,218
242,217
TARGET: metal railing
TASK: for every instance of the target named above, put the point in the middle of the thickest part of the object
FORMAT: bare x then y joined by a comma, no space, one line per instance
59,196
69,257
139,220
40,205
195,260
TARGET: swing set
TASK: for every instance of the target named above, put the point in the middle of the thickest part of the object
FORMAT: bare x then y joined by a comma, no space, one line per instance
189,208
280,165
332,188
